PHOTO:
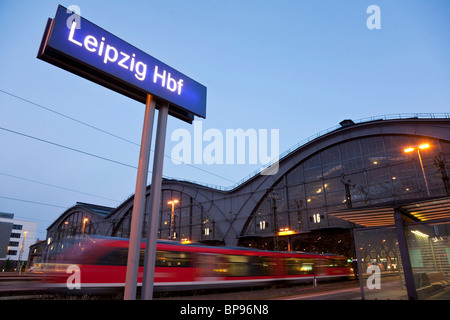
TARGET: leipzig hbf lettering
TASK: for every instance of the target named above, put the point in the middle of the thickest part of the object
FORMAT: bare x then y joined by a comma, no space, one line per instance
128,61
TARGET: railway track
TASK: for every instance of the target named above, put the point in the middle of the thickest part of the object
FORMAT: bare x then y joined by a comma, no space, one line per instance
32,287
14,286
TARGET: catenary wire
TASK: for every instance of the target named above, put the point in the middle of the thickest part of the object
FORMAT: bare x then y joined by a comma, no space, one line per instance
33,202
104,131
55,186
68,148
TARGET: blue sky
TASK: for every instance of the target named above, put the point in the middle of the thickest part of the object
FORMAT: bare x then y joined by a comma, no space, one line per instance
297,66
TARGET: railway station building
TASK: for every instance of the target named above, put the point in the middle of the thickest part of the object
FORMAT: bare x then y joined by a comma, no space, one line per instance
329,194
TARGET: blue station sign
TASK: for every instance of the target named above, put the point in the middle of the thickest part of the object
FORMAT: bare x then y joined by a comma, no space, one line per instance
81,47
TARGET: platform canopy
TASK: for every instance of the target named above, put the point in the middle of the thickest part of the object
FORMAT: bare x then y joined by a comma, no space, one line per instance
432,209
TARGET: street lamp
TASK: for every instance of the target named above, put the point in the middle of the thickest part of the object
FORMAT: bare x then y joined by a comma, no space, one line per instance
418,148
172,219
21,251
186,241
49,242
85,220
287,232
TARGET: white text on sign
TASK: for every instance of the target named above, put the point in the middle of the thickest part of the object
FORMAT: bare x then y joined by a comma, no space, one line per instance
128,61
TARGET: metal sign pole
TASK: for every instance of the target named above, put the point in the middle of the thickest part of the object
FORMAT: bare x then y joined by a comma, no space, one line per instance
155,199
139,202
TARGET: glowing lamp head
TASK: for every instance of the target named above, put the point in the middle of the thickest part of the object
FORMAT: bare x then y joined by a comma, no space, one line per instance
421,147
172,202
285,231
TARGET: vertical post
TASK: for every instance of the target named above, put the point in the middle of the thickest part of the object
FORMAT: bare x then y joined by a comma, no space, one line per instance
358,264
155,200
404,253
21,251
423,173
139,202
172,222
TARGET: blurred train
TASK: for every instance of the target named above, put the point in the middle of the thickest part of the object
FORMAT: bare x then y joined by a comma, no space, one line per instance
102,263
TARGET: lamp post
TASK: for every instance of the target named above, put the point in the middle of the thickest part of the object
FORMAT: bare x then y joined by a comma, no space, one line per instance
287,232
418,148
85,220
49,242
172,219
21,251
273,197
7,256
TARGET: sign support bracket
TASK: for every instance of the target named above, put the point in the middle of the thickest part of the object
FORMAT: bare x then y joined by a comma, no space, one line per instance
139,201
155,200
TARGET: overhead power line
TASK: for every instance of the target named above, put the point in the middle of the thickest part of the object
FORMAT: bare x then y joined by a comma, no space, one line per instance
75,150
33,202
104,131
69,148
55,186
70,118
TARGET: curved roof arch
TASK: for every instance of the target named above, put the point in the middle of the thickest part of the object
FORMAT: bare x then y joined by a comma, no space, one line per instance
420,128
232,208
72,219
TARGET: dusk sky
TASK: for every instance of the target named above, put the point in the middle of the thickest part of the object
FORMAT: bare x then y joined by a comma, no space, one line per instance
296,66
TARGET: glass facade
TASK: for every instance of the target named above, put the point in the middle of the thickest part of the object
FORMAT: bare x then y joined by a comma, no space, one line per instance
379,255
74,225
428,245
356,173
188,221
429,252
